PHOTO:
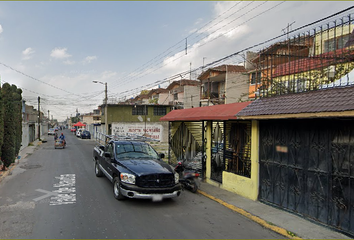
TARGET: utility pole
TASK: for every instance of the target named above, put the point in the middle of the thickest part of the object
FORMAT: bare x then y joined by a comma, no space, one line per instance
48,120
105,93
39,119
145,121
190,71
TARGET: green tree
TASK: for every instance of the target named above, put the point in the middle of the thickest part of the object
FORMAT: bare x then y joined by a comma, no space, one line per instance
8,146
144,92
17,101
1,124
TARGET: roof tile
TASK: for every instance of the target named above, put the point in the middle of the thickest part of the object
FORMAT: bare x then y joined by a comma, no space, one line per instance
324,100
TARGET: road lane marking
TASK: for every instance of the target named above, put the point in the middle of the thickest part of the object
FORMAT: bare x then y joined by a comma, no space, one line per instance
47,194
65,192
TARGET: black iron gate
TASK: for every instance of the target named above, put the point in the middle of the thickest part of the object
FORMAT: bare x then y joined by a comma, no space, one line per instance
217,151
307,167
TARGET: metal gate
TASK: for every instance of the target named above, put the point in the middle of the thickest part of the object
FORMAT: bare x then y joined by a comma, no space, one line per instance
217,151
307,167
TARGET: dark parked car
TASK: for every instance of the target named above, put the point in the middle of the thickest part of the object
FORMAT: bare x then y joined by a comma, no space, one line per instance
136,170
85,134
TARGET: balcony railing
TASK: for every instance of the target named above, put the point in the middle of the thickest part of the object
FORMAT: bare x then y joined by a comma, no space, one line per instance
317,59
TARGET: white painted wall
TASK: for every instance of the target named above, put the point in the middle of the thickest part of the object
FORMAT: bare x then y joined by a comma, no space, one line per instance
157,130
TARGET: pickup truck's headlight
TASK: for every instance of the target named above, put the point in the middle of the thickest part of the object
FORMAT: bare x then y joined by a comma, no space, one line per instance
176,177
127,178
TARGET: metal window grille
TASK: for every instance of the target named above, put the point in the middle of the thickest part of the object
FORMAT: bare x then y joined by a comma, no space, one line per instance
159,111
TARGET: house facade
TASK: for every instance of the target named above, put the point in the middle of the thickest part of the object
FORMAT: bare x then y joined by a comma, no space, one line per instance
304,113
305,153
221,147
182,94
224,84
136,119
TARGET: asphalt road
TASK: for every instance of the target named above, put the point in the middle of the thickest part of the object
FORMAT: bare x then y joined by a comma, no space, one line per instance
54,193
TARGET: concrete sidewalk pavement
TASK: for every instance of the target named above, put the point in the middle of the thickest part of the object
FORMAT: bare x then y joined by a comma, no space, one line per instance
22,155
280,221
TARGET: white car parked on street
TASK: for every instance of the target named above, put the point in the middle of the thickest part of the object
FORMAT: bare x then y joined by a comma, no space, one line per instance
79,131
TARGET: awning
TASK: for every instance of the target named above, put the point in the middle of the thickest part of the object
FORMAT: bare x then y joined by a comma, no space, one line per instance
79,124
216,112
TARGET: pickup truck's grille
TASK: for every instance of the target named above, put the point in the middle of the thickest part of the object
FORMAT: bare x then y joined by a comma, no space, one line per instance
156,180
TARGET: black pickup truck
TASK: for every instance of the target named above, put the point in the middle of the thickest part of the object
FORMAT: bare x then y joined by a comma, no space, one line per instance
136,170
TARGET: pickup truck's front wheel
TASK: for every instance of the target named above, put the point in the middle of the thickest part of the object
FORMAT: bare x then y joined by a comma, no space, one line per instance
98,171
116,189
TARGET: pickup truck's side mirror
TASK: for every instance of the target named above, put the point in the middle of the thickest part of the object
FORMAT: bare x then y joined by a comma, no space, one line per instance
107,154
161,155
101,147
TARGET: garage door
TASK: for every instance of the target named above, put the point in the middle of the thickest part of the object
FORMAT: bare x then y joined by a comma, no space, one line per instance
307,167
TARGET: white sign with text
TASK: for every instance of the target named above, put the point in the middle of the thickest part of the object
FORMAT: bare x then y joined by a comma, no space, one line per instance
149,130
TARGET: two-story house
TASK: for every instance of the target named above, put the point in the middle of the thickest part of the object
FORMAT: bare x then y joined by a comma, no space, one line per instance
224,84
139,119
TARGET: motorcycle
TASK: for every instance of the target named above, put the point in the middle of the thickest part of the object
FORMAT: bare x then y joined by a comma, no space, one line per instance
188,179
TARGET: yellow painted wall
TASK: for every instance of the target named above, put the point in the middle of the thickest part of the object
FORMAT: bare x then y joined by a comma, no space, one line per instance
325,35
246,187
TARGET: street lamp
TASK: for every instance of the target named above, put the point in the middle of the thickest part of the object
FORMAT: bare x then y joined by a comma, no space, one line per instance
105,90
105,105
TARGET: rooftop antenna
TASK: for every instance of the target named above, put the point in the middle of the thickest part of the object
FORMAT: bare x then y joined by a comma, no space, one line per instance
287,29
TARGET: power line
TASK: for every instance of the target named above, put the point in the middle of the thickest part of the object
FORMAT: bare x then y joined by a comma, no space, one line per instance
245,49
149,71
24,74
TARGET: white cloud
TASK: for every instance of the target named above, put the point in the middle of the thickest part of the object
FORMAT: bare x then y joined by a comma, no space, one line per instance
60,53
1,29
27,53
108,74
89,59
69,62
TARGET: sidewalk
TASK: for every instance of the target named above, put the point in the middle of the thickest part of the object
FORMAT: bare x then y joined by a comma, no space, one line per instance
285,223
22,154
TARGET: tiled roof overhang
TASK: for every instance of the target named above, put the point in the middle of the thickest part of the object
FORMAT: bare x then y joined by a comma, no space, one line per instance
216,112
332,102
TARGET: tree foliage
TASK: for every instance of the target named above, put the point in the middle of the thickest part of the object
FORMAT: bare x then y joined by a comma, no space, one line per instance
144,92
10,123
1,123
17,98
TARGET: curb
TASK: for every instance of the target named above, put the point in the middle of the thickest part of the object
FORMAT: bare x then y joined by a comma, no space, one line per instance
256,219
3,174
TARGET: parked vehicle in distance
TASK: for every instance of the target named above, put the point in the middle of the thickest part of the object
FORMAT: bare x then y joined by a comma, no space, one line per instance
51,131
136,170
85,134
78,132
73,129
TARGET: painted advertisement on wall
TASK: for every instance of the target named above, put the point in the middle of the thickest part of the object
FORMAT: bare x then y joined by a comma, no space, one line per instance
151,130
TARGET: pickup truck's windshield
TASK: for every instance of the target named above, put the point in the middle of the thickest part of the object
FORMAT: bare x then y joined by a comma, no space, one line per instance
136,151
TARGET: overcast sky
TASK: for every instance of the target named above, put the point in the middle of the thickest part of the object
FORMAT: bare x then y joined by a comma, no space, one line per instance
56,49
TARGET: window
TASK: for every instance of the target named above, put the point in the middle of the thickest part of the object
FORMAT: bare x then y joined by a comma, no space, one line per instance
175,96
256,78
238,148
109,148
159,111
139,110
335,43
